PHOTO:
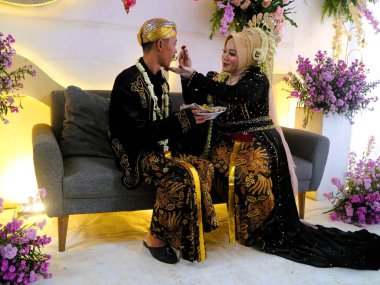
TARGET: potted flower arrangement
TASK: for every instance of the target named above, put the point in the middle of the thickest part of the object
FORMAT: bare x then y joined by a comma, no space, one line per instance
21,259
233,15
10,81
330,86
358,200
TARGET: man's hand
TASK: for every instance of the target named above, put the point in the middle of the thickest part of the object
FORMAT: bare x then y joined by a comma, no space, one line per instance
200,119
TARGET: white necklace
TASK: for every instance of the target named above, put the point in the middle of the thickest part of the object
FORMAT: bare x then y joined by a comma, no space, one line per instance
157,112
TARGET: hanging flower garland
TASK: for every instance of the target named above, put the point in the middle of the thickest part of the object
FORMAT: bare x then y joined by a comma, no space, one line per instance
157,112
352,11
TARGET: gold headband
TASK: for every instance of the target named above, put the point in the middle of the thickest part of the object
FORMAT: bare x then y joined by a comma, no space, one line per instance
156,29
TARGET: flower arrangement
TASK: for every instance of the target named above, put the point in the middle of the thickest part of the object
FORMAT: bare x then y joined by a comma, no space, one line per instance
10,81
330,86
21,259
233,15
352,11
358,200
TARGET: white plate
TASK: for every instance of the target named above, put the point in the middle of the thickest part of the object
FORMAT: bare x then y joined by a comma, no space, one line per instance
212,115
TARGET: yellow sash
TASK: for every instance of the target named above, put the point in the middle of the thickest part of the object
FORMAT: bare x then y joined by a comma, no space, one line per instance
231,190
198,194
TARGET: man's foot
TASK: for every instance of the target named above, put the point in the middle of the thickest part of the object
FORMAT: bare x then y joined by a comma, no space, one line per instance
160,250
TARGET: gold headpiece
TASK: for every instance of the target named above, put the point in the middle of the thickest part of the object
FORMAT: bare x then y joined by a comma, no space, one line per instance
264,25
156,29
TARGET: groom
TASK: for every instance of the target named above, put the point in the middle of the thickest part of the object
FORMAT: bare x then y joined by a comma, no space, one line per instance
140,129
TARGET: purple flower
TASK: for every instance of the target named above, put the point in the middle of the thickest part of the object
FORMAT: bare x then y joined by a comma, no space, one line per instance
331,86
8,251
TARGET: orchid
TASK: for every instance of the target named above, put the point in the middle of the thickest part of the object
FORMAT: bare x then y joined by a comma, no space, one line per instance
21,259
233,15
330,86
352,11
358,200
10,81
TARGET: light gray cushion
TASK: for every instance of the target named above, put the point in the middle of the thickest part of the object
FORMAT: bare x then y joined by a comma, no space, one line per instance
85,126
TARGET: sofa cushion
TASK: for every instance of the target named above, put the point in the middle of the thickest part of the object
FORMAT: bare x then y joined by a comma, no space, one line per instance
96,177
85,125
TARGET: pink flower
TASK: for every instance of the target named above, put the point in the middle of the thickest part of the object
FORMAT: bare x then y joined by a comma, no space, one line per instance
128,4
278,14
285,1
245,4
266,3
42,192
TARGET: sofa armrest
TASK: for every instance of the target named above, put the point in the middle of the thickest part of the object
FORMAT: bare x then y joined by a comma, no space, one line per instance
312,147
48,167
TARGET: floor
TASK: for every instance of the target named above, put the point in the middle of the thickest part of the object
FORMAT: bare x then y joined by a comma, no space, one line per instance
107,249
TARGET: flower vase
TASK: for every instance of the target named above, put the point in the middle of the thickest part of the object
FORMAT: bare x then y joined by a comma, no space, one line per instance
338,130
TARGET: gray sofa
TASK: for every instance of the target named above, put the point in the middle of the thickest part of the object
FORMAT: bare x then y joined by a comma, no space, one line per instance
81,176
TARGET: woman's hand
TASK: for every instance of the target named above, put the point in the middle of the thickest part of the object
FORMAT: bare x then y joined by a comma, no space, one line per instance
184,57
182,70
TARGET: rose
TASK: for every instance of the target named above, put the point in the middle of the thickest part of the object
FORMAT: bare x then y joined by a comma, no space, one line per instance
128,4
233,15
245,4
266,3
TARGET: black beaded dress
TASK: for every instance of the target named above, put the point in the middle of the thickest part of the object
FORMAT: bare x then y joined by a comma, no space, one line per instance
265,212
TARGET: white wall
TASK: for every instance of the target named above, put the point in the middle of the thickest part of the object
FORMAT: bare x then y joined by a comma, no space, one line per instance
87,43
367,123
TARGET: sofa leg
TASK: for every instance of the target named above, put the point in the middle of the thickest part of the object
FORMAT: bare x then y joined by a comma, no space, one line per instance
301,204
63,222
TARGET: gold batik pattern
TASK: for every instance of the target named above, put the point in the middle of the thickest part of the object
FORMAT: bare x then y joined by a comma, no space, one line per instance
253,199
175,216
139,87
184,121
130,176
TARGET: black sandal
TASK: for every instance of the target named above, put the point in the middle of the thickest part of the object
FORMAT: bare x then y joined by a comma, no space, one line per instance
164,254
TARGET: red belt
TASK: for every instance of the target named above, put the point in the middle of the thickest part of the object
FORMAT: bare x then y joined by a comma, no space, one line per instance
242,137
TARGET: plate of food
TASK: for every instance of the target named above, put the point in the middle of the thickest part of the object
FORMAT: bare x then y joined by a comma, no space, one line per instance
212,111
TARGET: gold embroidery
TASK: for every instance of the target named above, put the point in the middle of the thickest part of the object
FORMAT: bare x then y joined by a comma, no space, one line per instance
130,179
254,120
138,86
184,121
256,129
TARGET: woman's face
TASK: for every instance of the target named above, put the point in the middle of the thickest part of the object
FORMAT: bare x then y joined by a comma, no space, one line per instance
230,58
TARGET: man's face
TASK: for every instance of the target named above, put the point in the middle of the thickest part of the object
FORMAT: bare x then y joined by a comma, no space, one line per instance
168,51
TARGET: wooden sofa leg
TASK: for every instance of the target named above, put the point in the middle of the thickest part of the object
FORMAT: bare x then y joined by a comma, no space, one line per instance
301,204
63,222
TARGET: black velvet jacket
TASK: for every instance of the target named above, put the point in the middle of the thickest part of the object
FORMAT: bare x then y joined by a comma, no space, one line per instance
247,101
131,127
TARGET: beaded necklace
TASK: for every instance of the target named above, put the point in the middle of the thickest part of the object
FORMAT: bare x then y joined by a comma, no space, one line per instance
157,112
